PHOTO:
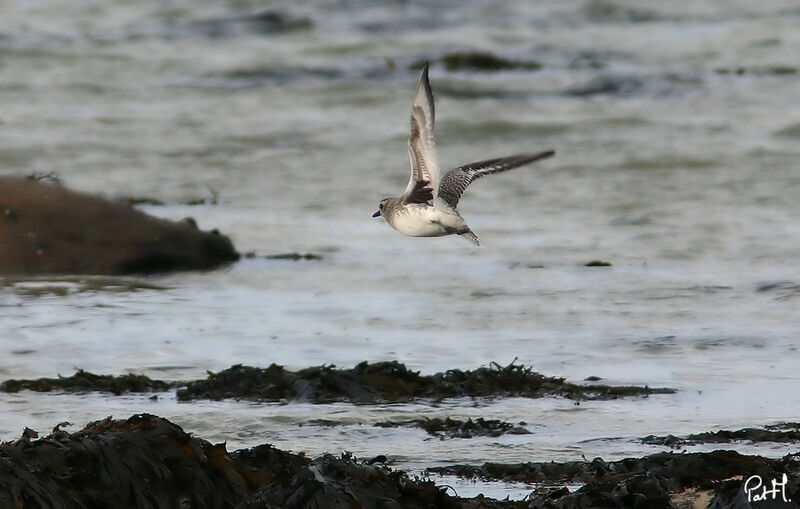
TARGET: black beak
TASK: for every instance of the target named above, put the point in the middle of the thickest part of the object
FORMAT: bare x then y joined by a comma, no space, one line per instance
376,214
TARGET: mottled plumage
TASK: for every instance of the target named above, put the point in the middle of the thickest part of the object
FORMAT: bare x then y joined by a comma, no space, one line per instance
427,207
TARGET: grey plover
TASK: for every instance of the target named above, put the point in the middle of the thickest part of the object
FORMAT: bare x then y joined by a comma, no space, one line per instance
427,208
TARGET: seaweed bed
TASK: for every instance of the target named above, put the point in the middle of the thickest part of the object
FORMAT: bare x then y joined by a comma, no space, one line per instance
660,480
483,61
781,432
148,462
365,383
394,382
83,381
454,428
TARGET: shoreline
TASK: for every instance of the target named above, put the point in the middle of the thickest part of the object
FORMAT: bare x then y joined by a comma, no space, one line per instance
148,461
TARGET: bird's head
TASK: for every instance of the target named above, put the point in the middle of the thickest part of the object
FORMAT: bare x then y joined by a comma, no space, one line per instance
381,207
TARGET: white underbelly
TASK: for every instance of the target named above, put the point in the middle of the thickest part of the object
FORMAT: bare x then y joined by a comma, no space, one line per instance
427,222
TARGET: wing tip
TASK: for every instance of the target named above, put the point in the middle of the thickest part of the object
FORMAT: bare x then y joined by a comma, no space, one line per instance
537,156
424,85
424,81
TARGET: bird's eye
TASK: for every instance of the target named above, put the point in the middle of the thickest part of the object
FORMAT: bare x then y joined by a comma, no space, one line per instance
380,206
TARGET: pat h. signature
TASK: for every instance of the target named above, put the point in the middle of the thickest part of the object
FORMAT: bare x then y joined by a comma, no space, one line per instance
757,491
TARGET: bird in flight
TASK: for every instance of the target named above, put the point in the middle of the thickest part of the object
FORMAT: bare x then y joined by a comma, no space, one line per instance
427,208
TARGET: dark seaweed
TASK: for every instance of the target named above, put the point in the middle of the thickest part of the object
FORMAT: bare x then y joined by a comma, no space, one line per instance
393,382
454,428
651,481
294,256
148,462
84,381
366,383
597,263
480,61
785,432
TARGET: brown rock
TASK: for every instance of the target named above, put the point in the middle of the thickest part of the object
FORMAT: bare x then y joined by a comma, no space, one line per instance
48,229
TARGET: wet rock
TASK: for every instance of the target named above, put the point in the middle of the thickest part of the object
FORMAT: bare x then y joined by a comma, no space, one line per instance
454,428
480,61
269,21
785,290
790,131
48,229
176,25
294,256
786,432
393,382
597,263
611,12
146,461
588,60
516,265
608,85
777,70
84,381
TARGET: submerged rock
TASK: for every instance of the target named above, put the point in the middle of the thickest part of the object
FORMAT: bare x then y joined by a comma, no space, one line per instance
597,263
605,11
294,256
608,85
777,70
480,61
48,229
265,22
392,382
484,61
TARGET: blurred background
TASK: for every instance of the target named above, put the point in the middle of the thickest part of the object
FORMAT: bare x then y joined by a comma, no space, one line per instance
677,134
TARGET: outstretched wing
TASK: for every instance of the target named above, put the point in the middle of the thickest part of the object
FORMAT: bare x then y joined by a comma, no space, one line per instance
424,180
455,181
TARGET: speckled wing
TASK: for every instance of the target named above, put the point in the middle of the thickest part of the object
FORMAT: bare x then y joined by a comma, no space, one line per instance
424,181
455,181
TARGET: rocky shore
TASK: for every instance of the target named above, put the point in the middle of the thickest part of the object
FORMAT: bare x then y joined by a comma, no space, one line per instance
147,461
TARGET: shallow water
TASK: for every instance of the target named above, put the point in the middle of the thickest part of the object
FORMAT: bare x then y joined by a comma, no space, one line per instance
677,162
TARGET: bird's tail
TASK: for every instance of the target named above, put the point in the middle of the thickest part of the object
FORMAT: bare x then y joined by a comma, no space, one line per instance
469,235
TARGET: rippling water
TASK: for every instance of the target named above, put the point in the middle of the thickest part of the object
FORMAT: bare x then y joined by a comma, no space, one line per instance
678,143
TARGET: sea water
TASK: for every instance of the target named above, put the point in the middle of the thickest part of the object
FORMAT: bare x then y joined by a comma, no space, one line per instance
678,144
